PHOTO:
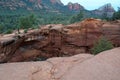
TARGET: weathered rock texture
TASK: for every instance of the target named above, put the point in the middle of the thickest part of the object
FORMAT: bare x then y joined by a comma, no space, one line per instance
111,31
57,40
104,66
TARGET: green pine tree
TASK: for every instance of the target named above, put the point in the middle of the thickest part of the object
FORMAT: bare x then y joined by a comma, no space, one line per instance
77,17
116,15
102,45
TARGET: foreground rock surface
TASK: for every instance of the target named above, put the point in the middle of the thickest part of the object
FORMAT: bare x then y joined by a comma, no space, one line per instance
104,66
52,69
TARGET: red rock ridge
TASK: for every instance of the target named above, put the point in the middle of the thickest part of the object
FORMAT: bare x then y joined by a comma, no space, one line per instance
75,6
56,1
39,1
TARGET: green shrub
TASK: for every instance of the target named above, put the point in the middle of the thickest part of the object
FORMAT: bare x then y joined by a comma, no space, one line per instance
27,21
116,15
25,30
9,31
77,18
102,45
1,28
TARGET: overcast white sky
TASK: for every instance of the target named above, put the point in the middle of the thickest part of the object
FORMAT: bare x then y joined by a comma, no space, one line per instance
94,4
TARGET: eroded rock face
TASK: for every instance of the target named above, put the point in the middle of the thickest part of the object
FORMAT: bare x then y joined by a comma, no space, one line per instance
85,33
111,30
57,40
104,66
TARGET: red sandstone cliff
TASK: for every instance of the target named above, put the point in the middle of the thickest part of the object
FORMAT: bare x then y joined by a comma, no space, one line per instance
59,40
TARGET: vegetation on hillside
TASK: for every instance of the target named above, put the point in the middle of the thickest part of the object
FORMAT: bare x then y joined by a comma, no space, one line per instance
12,20
77,18
25,20
116,15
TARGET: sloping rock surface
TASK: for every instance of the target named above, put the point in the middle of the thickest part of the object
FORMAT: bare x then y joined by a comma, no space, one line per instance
52,69
104,66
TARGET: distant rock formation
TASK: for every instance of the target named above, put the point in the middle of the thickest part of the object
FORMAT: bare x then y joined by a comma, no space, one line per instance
56,2
106,7
75,6
105,10
53,6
